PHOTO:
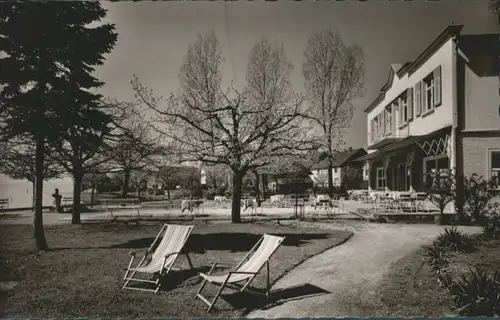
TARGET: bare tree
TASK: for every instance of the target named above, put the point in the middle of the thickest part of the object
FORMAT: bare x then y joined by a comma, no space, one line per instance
243,130
216,175
441,189
95,175
334,77
168,176
136,148
139,180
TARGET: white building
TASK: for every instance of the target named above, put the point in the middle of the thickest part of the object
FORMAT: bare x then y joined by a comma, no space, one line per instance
438,111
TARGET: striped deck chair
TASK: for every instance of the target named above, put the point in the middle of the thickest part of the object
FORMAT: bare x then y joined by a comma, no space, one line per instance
161,261
246,270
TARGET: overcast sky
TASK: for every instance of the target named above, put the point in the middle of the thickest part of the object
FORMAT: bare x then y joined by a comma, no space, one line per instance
153,38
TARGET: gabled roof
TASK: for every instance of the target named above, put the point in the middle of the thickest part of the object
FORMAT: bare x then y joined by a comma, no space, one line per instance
445,35
392,71
340,159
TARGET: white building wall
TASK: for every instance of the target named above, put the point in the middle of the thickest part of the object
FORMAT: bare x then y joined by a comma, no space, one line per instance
441,116
320,175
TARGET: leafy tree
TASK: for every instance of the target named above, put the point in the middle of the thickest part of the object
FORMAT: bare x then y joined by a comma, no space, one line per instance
190,180
49,53
243,130
351,177
17,161
84,138
334,77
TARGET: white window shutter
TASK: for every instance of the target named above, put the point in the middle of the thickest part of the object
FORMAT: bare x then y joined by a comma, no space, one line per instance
437,86
409,101
418,100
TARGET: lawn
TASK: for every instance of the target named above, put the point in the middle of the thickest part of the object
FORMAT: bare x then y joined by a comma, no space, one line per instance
82,273
410,289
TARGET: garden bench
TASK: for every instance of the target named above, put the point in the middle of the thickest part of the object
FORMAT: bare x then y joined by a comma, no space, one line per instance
4,203
111,205
66,201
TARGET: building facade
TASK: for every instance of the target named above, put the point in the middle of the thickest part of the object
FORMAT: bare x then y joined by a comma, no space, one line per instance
342,160
439,111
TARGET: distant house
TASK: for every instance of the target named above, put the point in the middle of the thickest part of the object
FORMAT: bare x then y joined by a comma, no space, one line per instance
342,160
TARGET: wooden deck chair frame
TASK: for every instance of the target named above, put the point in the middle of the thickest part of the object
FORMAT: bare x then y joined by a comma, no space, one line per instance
235,286
131,272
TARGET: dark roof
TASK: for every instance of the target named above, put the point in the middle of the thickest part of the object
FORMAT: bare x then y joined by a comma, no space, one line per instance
446,34
340,159
403,143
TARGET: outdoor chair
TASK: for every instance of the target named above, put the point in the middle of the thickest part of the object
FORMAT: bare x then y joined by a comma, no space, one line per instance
160,261
246,270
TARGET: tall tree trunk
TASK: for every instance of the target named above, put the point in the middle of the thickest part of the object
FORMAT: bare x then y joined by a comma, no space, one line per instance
236,205
33,197
257,188
40,241
168,193
330,176
126,180
139,192
77,194
92,196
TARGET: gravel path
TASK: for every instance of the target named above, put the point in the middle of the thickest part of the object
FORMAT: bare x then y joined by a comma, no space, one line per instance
350,272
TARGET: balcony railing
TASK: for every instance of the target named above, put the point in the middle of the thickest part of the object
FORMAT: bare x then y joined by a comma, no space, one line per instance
389,137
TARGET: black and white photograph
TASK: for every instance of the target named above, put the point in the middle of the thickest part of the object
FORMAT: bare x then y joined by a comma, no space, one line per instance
255,159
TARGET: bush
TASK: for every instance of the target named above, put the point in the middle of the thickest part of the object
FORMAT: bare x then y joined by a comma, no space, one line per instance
478,193
210,194
477,294
437,257
221,190
491,225
453,240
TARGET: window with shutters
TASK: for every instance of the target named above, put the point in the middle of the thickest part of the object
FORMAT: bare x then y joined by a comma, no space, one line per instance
428,93
403,109
388,120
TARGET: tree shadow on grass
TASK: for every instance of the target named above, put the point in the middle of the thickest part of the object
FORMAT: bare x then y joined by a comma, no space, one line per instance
233,242
250,301
176,278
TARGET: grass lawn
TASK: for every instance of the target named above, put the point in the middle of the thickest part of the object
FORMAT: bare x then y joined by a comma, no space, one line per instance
83,272
410,289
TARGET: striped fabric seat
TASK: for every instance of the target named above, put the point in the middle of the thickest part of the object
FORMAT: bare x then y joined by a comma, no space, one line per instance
246,270
162,258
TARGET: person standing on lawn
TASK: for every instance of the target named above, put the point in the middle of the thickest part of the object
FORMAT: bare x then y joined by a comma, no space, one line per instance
57,200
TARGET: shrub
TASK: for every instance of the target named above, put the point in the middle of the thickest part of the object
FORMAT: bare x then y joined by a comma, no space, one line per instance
437,257
221,190
454,240
477,294
478,193
491,224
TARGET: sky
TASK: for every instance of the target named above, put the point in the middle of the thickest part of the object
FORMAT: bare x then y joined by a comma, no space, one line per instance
153,38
